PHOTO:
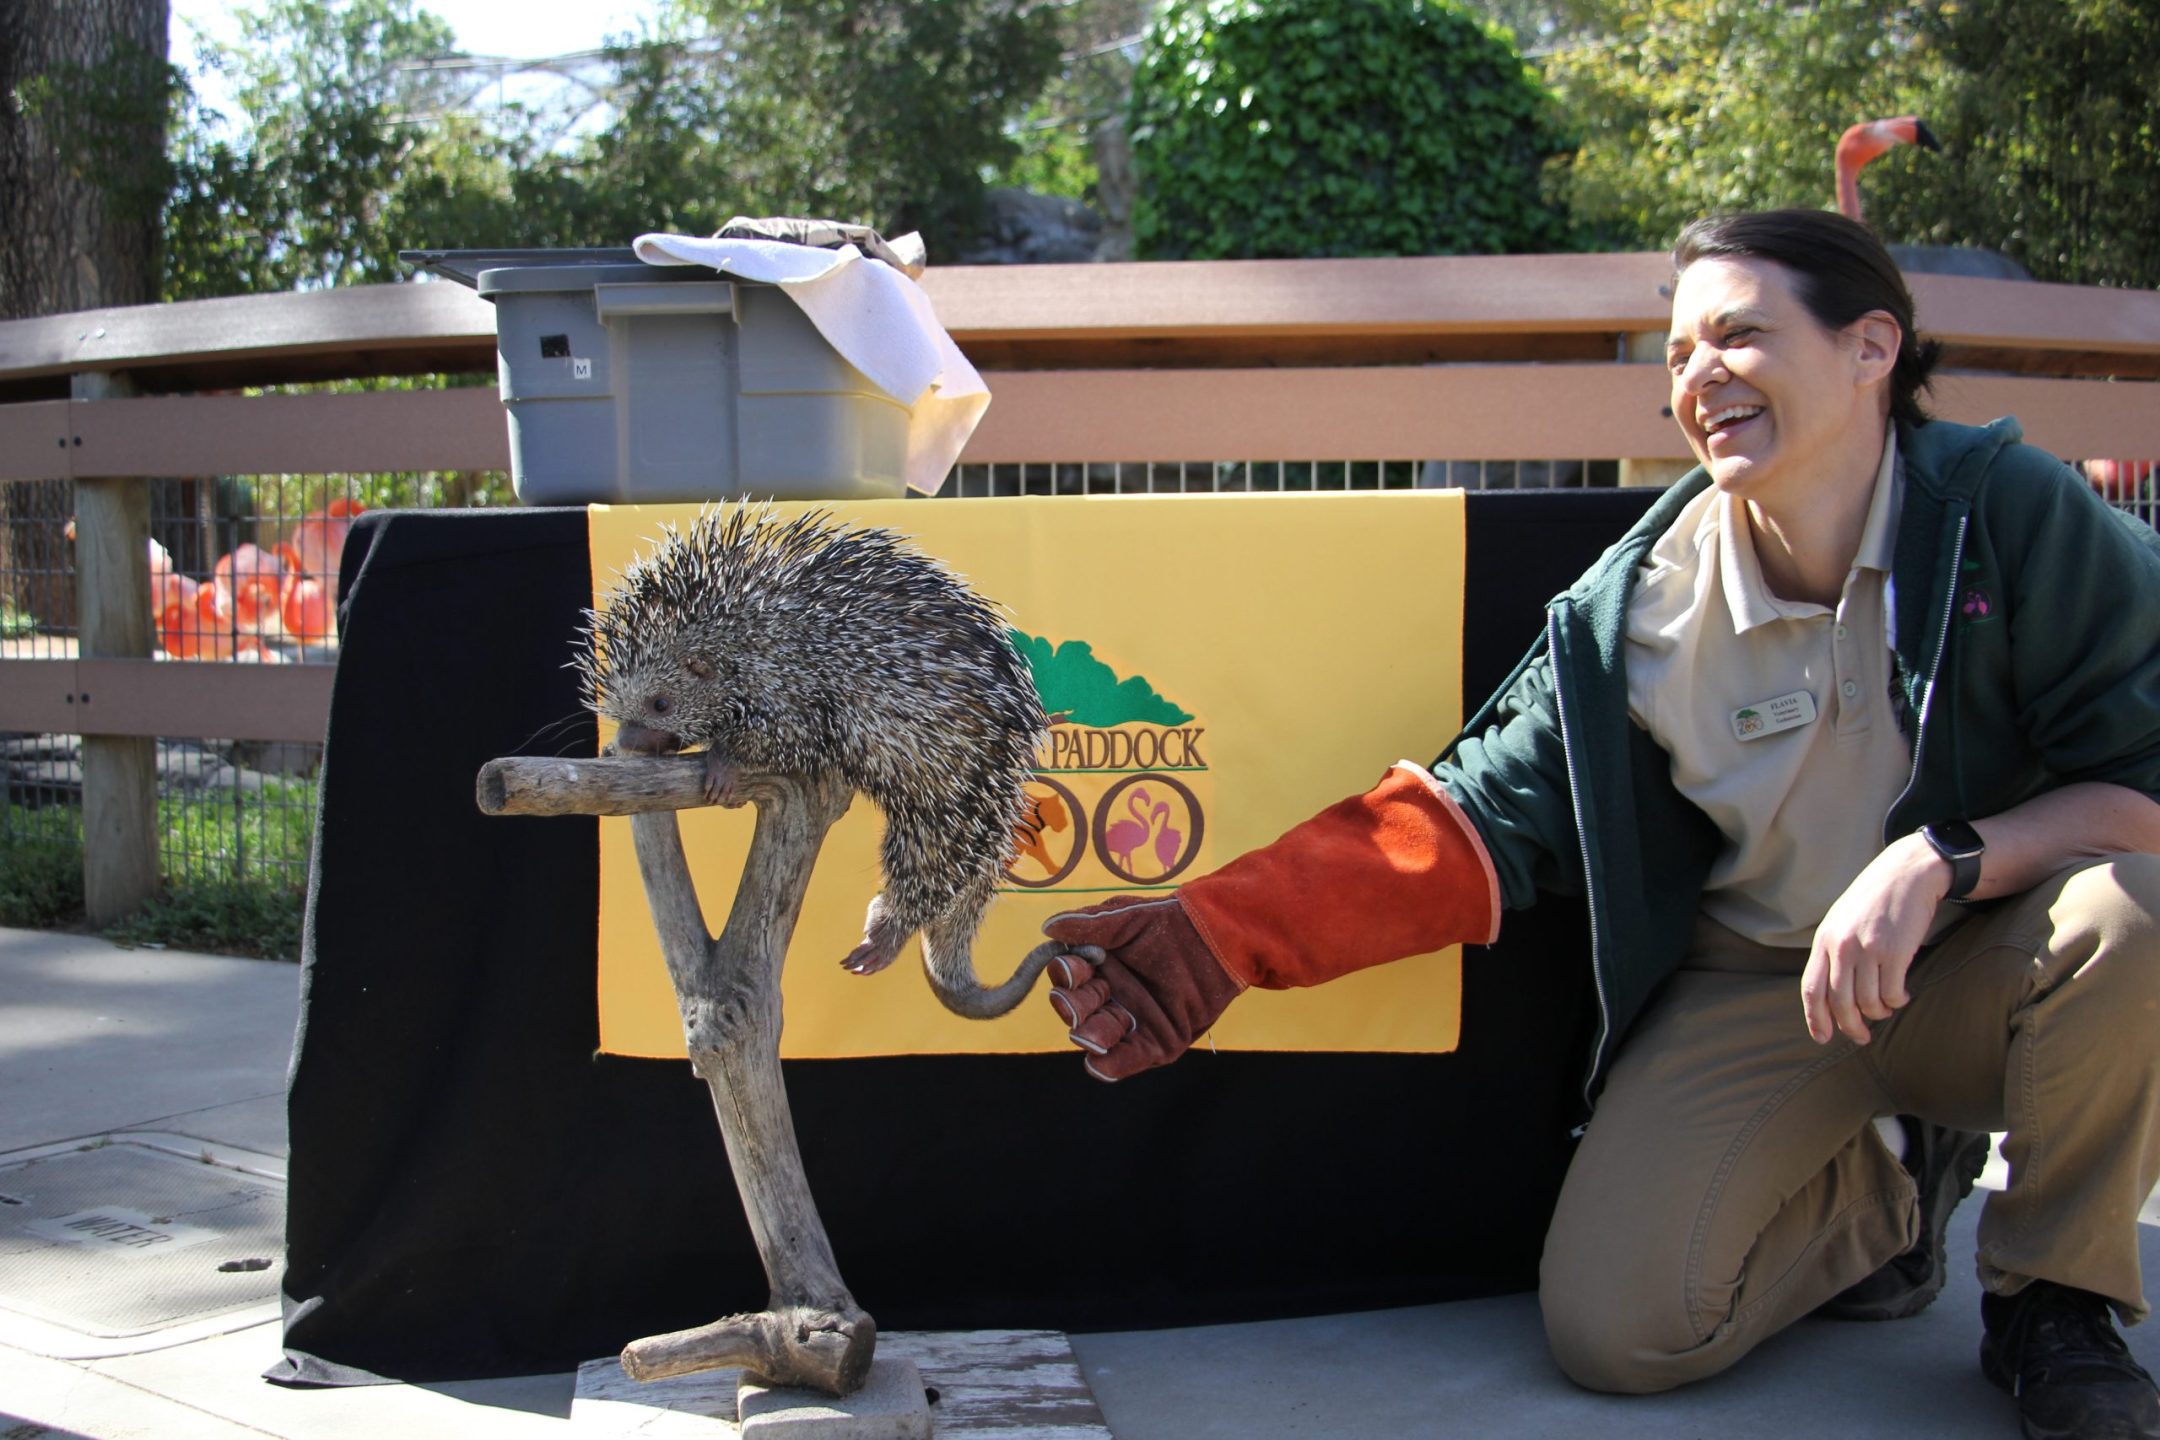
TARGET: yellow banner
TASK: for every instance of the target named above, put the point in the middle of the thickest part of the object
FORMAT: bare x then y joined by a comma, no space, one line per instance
1217,668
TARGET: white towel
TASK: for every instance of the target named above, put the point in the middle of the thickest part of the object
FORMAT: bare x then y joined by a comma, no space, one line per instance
879,320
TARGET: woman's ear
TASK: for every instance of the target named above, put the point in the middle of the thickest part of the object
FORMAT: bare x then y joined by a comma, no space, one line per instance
1877,337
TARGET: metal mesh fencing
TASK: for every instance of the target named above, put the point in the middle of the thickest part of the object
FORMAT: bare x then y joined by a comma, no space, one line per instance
37,570
2129,485
41,828
236,811
1229,477
243,570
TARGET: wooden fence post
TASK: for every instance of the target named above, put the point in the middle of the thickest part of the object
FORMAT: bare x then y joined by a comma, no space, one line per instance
119,772
1648,347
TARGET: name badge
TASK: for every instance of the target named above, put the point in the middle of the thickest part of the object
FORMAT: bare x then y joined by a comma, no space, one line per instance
1770,717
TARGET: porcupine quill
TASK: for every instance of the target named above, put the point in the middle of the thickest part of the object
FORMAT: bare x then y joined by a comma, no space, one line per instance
804,645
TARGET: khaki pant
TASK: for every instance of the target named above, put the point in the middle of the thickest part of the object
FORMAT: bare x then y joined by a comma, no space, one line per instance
1731,1181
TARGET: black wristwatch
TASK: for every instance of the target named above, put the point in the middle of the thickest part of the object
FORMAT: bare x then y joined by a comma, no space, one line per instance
1961,845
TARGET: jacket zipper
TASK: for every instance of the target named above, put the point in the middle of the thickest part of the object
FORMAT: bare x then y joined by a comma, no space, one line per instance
1582,838
1927,696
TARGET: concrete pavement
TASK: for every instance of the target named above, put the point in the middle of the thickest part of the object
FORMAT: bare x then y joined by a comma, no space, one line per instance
155,1058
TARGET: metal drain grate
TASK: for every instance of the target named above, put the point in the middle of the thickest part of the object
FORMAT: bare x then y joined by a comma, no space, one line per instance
119,1239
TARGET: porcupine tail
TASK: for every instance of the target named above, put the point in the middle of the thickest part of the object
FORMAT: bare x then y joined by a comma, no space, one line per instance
948,943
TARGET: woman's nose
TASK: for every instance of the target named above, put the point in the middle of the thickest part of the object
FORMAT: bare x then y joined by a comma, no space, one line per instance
1703,368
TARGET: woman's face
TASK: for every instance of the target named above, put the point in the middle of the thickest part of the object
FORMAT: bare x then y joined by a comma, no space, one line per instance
1773,403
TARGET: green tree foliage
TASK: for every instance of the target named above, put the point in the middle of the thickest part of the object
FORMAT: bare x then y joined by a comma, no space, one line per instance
1693,106
1537,25
352,145
2051,127
1337,127
2046,109
337,161
887,111
665,161
1055,137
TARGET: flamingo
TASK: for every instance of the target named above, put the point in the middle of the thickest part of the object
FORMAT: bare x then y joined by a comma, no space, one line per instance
309,617
1863,142
255,580
1167,841
1127,836
319,538
175,603
253,591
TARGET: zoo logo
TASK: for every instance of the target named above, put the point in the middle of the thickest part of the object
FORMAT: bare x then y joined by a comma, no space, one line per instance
1119,798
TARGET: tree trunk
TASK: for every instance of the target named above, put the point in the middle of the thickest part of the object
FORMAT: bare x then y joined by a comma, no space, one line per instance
83,101
84,95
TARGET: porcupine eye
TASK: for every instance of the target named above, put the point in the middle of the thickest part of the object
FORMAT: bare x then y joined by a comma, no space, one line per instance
660,704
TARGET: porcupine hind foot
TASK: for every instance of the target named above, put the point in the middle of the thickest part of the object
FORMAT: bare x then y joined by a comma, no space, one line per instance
883,935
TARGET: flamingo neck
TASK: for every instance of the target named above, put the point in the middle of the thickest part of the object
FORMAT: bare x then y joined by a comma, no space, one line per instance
1855,148
1848,189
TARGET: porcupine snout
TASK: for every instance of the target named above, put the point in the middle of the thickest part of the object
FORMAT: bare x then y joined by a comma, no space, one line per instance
645,740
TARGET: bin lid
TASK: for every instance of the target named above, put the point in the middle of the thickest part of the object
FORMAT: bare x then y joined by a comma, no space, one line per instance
541,279
464,266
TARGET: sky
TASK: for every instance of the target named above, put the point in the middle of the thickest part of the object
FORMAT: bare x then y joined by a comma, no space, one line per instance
524,29
484,27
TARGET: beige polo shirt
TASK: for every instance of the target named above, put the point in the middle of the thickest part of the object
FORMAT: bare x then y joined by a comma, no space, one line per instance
1776,713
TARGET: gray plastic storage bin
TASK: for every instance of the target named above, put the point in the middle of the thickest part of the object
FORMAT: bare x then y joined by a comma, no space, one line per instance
630,383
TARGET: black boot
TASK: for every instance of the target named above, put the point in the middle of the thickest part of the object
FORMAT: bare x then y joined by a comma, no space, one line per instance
2056,1350
1944,1163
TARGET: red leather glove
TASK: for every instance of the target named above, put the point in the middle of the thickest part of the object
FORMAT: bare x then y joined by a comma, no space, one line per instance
1397,871
1139,984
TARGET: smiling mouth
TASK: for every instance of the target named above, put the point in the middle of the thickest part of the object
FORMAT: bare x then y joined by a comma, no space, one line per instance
1719,421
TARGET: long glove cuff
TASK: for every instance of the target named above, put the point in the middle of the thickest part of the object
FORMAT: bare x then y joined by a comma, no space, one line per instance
1397,871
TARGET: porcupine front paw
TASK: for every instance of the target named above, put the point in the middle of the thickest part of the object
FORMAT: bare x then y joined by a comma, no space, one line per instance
722,777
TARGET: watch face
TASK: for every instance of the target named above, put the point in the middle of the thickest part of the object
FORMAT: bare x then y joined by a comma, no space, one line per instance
1955,839
1960,845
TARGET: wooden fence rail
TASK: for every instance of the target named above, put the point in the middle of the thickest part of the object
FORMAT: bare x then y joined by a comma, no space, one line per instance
1477,358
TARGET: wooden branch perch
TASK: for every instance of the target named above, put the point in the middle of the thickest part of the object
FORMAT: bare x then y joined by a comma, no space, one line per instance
610,785
811,1333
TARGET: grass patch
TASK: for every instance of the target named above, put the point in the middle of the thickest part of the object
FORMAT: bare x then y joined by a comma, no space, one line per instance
254,839
224,917
229,888
41,883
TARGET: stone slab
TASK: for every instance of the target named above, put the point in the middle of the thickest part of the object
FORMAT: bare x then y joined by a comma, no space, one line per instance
1012,1384
890,1406
609,1404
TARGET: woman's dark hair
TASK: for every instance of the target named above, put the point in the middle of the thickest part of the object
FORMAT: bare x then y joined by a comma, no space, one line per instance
1842,272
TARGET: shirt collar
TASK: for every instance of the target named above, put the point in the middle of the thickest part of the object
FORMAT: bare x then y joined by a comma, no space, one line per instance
1878,538
1740,573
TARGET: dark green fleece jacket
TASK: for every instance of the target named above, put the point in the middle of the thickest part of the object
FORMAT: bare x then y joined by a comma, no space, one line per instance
2026,613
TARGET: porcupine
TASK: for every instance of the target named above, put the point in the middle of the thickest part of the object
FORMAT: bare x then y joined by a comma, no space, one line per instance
802,645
